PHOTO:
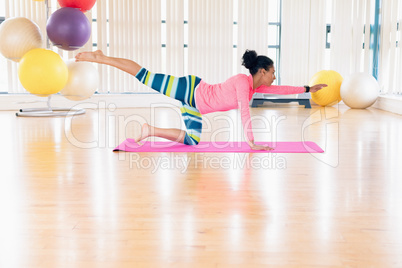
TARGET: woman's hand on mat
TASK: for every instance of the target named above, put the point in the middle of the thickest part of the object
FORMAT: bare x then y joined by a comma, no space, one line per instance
317,87
256,147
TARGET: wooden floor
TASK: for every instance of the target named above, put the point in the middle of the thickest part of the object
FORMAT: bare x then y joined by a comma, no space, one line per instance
66,200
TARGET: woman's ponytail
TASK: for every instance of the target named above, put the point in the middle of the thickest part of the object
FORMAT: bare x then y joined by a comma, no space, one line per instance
249,59
253,62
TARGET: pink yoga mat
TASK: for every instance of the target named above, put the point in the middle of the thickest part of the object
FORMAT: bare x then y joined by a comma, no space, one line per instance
130,145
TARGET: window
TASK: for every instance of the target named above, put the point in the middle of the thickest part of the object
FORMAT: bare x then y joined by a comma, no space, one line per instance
115,18
328,19
375,36
2,12
3,61
274,32
375,18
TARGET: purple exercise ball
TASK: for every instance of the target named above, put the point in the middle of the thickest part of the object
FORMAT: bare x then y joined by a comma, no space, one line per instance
68,28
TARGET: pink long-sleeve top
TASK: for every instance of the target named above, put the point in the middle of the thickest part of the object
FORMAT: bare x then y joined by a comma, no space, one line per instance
236,93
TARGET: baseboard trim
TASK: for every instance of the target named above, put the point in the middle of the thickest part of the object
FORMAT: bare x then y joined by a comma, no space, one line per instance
15,102
391,104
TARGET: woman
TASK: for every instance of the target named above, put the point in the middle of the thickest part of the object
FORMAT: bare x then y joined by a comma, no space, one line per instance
198,97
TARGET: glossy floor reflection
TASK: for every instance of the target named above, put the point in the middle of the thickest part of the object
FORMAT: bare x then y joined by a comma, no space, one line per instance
66,200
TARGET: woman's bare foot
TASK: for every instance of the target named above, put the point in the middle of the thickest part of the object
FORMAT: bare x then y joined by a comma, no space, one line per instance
145,133
96,56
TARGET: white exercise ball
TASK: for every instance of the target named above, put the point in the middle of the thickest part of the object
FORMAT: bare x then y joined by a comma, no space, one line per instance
18,36
360,90
83,81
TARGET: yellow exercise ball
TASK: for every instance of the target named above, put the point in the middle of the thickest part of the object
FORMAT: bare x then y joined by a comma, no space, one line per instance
328,96
42,72
18,36
83,81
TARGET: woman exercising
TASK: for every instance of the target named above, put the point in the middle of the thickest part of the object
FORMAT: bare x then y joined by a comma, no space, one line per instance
198,97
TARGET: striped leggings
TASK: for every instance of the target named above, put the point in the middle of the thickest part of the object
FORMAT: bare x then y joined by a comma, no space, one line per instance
181,89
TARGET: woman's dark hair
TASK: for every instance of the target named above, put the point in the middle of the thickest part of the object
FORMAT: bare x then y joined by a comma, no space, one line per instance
253,62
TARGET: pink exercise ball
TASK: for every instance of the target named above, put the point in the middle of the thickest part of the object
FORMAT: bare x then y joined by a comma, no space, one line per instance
83,5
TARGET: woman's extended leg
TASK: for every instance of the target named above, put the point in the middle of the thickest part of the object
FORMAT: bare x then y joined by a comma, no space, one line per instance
126,65
180,88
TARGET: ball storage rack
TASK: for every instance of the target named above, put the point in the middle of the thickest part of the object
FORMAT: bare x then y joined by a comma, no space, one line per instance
49,111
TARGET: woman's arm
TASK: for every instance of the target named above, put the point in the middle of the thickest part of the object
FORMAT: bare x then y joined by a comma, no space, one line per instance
281,90
288,90
242,94
273,90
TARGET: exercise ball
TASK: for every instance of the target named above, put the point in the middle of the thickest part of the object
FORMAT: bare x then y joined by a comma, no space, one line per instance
42,72
18,36
68,28
330,95
360,90
83,80
83,5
